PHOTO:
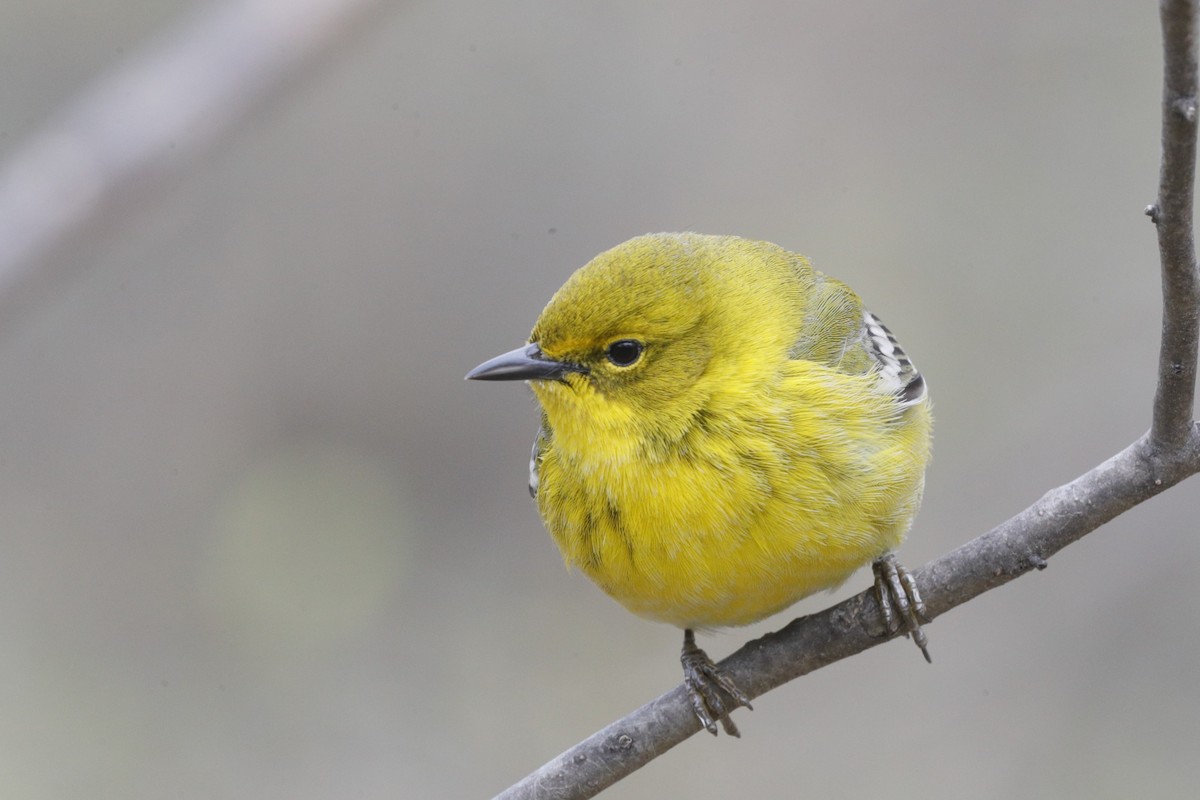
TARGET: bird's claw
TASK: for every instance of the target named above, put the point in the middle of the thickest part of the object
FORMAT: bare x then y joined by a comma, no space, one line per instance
709,687
899,601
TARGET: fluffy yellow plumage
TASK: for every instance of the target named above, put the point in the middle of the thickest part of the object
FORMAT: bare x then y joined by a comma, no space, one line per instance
725,430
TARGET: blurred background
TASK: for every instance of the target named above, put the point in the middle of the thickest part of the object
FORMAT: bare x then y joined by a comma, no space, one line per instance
259,539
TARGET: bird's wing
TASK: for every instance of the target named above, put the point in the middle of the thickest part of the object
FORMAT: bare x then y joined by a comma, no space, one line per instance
896,369
838,332
831,330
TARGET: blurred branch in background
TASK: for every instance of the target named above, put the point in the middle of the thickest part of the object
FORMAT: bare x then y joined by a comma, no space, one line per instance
1164,456
147,117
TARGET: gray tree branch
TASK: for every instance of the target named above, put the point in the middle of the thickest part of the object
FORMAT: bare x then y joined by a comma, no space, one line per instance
1172,213
1161,458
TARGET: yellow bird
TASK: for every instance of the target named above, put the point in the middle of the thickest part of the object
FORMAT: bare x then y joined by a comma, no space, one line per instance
724,431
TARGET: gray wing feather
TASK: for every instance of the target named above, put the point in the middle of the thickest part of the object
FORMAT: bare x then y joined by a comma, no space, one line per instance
896,369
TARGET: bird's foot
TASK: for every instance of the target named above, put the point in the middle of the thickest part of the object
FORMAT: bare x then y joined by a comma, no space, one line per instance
899,601
710,689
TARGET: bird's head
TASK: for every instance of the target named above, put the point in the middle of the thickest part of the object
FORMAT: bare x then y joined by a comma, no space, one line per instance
642,336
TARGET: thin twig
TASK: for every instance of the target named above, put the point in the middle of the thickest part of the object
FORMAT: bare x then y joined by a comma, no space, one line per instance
1172,425
1158,460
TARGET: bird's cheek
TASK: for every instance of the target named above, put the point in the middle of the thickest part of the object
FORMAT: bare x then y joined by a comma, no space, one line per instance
562,395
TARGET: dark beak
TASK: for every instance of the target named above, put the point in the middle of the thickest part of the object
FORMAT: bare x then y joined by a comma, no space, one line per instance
523,364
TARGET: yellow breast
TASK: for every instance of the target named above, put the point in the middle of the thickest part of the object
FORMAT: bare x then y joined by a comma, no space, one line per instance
761,500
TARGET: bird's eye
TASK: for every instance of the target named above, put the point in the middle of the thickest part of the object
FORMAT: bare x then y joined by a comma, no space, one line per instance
625,352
